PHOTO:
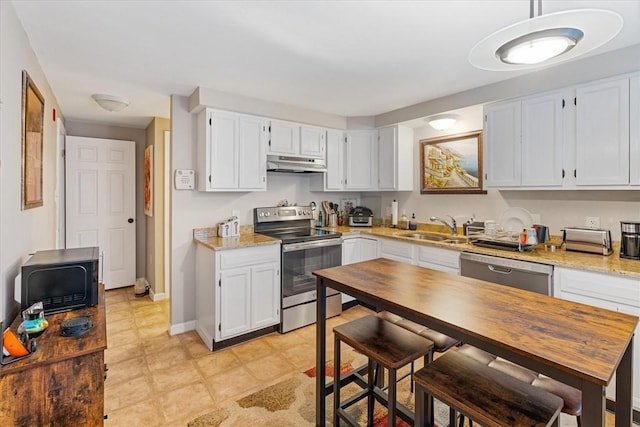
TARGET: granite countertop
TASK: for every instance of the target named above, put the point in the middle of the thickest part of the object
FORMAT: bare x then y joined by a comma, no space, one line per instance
209,237
611,264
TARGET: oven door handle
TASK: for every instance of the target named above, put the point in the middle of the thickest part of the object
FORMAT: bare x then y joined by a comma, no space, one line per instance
291,247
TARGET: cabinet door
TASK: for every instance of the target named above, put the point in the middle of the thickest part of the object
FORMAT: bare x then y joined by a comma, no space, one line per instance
222,155
265,296
368,249
334,177
502,144
388,158
602,133
350,251
253,138
284,138
235,299
313,141
361,160
542,140
397,251
634,132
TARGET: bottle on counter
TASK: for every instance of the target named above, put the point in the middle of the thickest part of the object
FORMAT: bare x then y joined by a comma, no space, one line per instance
413,225
523,236
319,221
403,223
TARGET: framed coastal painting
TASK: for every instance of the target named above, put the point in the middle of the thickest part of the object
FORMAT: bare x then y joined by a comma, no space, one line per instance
32,140
148,180
452,164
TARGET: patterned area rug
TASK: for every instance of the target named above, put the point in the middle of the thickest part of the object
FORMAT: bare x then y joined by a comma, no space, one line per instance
291,403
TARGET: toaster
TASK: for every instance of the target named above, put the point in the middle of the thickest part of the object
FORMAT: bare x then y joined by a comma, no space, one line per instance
361,217
591,240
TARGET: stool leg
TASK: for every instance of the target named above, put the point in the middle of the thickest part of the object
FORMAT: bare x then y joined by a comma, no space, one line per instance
392,398
371,381
336,379
422,408
428,358
411,378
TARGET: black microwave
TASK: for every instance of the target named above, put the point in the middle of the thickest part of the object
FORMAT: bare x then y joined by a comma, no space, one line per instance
63,279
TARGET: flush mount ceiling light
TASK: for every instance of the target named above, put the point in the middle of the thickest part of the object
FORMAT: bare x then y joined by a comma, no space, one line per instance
110,102
545,39
442,121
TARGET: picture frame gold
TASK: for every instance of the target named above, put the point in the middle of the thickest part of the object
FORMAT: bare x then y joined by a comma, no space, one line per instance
32,143
148,180
452,164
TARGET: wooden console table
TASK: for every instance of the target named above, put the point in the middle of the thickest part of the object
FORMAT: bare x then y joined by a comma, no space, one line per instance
576,344
62,382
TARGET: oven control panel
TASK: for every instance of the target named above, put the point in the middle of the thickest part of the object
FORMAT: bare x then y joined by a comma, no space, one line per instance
283,213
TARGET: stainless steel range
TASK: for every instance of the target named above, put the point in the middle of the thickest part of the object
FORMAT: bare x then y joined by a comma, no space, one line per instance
304,250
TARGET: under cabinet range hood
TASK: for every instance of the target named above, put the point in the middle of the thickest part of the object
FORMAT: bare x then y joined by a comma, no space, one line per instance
280,163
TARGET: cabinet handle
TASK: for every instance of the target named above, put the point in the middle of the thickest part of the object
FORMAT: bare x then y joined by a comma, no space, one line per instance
562,173
575,173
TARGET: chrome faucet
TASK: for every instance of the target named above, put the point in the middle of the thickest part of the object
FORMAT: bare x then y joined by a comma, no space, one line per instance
453,226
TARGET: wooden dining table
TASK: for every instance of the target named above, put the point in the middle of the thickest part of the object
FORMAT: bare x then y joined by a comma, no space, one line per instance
576,344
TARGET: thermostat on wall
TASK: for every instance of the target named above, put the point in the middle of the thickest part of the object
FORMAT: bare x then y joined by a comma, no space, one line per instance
184,179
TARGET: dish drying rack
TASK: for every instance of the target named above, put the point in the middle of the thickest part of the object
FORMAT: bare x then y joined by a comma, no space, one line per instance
503,240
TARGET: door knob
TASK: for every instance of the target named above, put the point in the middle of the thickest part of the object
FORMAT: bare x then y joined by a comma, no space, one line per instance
130,220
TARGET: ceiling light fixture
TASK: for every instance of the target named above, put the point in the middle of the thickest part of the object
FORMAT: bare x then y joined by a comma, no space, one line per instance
545,39
110,102
442,121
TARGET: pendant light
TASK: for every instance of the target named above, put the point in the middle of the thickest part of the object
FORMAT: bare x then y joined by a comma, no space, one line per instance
545,39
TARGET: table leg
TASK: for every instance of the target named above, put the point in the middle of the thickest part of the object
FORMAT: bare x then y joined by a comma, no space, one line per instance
624,388
593,405
321,358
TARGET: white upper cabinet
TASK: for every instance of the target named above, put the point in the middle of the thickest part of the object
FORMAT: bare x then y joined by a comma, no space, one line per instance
524,142
502,131
284,138
334,177
288,138
634,131
542,140
313,141
395,158
231,152
361,156
602,133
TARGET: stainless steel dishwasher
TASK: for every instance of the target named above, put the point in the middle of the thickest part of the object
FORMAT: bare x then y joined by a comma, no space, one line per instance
529,276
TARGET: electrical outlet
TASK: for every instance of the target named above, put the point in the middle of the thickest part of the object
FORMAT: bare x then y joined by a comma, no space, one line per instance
593,221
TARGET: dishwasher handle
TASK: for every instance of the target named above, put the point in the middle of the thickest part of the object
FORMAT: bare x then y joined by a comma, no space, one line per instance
501,270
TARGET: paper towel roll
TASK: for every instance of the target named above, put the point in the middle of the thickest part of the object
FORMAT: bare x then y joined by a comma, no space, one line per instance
394,213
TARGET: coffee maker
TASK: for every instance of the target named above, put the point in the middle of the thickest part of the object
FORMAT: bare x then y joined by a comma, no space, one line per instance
630,241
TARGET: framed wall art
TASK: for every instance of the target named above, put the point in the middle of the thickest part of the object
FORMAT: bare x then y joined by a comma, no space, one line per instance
32,142
452,164
148,180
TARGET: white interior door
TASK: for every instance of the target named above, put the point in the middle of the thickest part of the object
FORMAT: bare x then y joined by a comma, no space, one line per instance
100,201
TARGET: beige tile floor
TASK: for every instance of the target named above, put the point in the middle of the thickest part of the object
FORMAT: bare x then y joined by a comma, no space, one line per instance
155,379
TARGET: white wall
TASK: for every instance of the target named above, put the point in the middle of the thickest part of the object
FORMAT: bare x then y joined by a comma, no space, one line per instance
193,209
21,232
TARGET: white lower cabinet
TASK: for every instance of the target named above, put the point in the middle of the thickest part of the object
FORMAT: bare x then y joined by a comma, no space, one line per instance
397,251
356,249
439,259
615,293
237,291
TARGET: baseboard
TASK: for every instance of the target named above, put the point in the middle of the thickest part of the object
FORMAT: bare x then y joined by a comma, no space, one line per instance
348,305
157,296
181,328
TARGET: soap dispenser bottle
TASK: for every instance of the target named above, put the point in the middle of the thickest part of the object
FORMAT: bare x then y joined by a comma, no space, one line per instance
413,225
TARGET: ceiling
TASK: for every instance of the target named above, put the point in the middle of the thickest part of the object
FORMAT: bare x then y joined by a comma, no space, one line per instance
351,58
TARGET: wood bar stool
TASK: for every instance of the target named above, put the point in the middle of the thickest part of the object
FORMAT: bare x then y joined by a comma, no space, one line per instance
487,396
386,344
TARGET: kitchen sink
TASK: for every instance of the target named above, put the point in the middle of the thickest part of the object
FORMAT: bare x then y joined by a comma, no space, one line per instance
434,237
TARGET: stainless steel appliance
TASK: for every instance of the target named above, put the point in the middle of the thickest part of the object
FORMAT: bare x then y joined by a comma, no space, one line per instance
361,217
277,163
304,250
591,240
630,241
517,274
